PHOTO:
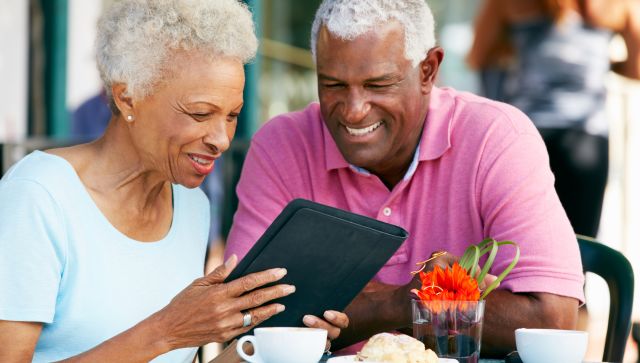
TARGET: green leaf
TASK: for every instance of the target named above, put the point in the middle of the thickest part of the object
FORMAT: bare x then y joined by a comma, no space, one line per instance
493,251
470,258
506,270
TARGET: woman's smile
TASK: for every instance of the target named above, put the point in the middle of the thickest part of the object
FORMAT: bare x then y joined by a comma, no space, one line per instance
203,164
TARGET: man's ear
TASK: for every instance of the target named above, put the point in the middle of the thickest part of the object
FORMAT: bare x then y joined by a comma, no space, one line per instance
429,68
123,102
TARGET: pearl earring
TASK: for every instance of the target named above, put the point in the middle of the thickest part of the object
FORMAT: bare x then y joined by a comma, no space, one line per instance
129,118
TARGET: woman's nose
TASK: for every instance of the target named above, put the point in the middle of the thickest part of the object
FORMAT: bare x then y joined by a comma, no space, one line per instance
217,137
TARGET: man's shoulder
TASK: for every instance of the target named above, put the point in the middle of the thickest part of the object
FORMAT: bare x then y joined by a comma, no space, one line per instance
306,123
293,134
474,110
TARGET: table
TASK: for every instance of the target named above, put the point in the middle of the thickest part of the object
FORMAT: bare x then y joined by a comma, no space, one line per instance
324,359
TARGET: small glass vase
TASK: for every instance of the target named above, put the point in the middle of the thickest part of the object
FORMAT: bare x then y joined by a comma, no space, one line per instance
452,329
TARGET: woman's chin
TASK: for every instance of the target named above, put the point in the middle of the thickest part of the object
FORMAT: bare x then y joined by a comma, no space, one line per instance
191,182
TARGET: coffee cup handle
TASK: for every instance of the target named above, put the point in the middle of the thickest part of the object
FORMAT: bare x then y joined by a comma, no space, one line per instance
255,358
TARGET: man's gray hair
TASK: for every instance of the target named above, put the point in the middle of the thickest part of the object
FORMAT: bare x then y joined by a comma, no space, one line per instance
349,19
136,38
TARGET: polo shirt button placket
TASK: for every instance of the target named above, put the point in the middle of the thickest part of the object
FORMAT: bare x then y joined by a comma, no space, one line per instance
386,211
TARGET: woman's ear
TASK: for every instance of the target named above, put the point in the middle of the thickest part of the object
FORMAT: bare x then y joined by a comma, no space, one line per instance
429,68
123,102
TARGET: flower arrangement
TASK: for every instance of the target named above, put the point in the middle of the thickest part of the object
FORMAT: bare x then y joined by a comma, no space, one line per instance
461,282
448,309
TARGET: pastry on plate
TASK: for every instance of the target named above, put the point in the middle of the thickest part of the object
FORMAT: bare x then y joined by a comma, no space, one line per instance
390,348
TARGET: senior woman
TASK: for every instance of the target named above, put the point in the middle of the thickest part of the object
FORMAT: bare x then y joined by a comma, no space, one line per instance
100,243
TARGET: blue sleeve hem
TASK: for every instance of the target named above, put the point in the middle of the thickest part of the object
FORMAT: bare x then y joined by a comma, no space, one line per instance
30,315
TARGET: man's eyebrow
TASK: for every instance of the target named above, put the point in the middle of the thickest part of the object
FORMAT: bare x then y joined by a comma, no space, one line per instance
384,78
325,77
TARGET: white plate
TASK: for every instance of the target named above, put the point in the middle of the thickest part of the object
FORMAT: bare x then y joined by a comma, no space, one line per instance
351,359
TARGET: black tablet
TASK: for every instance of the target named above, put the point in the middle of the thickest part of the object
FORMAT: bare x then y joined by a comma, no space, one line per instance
330,255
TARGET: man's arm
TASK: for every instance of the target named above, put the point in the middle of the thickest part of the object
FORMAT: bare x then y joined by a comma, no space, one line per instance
379,308
505,312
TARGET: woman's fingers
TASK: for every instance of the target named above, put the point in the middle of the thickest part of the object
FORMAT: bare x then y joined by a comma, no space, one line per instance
252,281
264,295
258,315
221,272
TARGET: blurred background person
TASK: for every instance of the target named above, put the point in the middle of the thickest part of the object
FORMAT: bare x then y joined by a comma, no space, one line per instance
91,118
555,67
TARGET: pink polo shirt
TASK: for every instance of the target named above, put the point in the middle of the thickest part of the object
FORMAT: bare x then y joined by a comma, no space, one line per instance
482,170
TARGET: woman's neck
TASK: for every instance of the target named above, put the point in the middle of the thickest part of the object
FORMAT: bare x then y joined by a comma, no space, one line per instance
112,165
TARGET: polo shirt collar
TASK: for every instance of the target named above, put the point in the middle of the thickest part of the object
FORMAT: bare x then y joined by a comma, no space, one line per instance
434,142
436,134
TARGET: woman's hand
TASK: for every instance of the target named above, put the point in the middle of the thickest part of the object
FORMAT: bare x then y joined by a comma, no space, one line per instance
333,323
211,310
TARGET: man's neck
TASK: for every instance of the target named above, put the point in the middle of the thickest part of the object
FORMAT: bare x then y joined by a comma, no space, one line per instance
393,176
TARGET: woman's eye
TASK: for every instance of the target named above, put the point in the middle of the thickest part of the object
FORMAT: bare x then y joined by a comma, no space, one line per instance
200,116
233,117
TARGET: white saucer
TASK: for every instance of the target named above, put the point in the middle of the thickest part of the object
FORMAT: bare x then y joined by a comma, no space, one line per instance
351,359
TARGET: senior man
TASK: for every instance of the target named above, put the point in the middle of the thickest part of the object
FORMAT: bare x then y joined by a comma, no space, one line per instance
451,168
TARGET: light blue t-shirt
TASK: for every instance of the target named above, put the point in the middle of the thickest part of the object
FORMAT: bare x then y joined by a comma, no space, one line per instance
63,264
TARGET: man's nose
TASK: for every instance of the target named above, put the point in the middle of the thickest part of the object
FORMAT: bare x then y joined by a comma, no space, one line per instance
217,138
356,107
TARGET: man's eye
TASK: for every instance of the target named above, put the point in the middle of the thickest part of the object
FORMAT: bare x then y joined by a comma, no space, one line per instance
233,117
378,86
333,85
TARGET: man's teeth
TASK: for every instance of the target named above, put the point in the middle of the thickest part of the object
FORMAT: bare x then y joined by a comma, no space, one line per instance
363,131
200,161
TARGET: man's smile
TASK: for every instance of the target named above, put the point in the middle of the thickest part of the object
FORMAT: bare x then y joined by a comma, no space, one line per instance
364,130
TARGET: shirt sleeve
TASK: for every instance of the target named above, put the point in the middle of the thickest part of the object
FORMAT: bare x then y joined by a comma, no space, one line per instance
32,250
518,202
262,194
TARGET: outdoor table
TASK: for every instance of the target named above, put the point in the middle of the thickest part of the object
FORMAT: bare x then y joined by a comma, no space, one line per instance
324,359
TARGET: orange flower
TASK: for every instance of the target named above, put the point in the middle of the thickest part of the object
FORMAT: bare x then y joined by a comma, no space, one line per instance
452,283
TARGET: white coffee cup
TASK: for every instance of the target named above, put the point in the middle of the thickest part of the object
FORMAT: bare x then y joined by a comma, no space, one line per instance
551,345
284,345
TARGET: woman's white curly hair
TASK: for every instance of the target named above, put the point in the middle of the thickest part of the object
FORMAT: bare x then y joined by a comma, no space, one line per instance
349,19
136,38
